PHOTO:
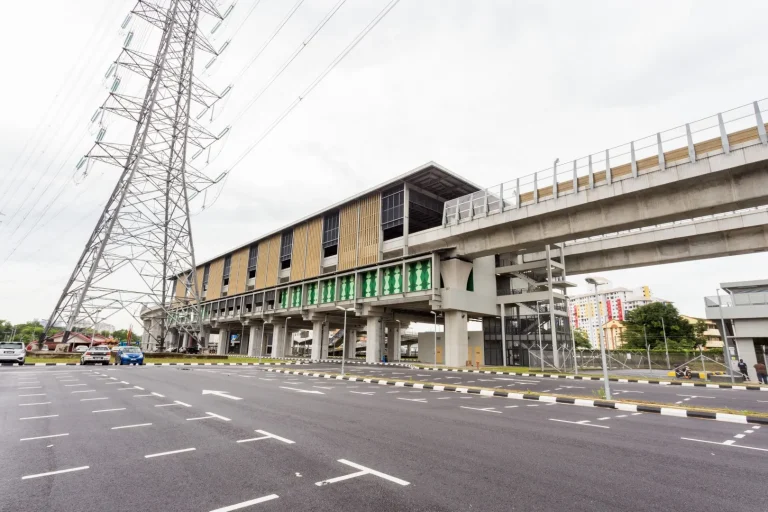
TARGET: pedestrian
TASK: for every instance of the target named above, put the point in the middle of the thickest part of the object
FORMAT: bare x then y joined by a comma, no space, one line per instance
762,373
743,369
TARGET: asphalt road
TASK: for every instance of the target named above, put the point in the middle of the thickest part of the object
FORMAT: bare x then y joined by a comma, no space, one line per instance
147,438
738,400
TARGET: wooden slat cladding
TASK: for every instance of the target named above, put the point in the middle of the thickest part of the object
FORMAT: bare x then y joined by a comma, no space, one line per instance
314,247
272,264
262,264
181,286
298,258
368,246
214,279
200,272
348,236
238,272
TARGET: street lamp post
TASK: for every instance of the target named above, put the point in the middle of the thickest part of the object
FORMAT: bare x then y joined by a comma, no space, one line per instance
285,334
344,343
396,353
435,315
596,281
538,324
647,350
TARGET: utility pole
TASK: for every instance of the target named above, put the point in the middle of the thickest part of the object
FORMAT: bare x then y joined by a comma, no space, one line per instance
666,348
647,349
142,242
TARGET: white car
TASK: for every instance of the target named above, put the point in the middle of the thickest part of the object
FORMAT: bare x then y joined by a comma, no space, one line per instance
82,348
99,354
12,352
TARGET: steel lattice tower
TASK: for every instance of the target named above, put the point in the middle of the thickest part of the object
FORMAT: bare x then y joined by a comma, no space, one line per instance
143,239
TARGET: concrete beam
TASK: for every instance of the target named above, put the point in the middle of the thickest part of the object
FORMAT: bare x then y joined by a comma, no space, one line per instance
742,233
717,184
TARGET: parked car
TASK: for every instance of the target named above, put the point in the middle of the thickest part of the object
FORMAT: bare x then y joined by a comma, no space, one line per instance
129,355
12,352
96,355
81,348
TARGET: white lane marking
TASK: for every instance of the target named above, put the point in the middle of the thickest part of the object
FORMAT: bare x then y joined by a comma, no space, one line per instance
32,387
109,410
604,418
175,402
389,392
261,378
85,391
210,415
139,388
223,394
739,436
91,399
726,443
421,400
247,503
108,383
322,387
582,422
42,437
131,426
510,406
36,403
363,471
161,454
696,396
39,417
303,390
484,409
55,472
140,396
266,435
34,394
445,398
363,392
73,385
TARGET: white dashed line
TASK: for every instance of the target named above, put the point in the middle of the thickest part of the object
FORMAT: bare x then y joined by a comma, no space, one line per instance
244,504
109,410
36,403
40,417
54,472
161,454
42,437
131,426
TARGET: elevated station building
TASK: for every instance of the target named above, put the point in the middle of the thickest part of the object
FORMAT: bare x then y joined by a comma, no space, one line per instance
355,255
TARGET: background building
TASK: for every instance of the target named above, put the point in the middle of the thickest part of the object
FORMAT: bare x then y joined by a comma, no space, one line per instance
615,303
714,339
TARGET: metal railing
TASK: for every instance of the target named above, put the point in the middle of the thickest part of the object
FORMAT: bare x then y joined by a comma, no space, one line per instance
737,299
687,143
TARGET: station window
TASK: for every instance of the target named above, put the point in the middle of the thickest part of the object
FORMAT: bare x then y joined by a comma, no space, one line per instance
331,234
392,212
253,253
206,274
225,274
286,248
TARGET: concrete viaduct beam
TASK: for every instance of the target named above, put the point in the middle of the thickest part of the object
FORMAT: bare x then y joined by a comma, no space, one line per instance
740,233
716,184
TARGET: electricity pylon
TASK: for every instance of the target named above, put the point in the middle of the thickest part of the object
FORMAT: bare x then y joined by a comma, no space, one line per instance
142,243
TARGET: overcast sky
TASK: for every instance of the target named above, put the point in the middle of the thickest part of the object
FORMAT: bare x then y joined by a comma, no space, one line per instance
492,90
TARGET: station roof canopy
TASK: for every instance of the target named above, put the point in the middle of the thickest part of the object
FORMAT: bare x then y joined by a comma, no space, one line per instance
430,177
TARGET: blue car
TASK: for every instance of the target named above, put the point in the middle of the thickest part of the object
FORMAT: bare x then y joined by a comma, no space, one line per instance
129,355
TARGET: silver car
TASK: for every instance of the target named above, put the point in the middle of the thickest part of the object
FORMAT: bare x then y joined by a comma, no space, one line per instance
12,352
98,354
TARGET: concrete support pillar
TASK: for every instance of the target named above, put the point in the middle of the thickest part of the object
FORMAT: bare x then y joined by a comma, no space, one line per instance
204,336
318,328
374,345
174,339
326,341
254,338
278,345
456,344
350,343
745,349
223,341
185,340
393,341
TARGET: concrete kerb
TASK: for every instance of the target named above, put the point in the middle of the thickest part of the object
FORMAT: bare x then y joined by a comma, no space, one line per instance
603,404
610,379
338,361
175,364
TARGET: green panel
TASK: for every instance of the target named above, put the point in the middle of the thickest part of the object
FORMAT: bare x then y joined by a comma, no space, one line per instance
283,298
347,287
369,284
296,297
312,294
471,281
392,280
420,275
329,291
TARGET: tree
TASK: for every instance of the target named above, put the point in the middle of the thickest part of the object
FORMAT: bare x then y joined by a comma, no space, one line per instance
680,333
121,335
580,339
698,331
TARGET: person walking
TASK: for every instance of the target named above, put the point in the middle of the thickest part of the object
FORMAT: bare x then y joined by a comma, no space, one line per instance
762,373
743,369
